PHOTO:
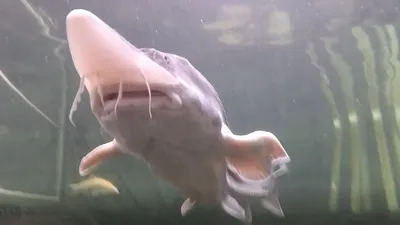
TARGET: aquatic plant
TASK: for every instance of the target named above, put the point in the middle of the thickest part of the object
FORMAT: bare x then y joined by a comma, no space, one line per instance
337,149
359,171
365,47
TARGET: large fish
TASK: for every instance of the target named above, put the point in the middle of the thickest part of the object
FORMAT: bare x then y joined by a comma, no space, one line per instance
161,109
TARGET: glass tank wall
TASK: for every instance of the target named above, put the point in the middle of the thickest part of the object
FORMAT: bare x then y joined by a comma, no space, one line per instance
321,75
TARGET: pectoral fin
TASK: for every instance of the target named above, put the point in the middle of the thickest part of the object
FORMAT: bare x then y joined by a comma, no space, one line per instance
96,156
256,155
255,163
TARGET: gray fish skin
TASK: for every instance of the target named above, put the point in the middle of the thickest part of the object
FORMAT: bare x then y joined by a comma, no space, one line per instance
159,108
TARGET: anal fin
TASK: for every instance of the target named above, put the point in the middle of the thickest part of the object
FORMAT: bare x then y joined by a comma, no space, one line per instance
238,208
187,206
92,160
272,204
233,208
247,213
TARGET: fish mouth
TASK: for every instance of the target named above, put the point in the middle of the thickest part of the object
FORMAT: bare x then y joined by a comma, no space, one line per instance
141,94
138,99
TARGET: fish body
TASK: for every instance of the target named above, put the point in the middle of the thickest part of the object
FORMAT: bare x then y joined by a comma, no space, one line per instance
95,186
159,108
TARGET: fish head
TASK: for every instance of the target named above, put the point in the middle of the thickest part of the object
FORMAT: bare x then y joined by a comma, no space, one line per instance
138,93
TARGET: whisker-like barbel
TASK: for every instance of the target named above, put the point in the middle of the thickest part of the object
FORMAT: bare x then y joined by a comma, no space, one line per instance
118,97
77,100
148,91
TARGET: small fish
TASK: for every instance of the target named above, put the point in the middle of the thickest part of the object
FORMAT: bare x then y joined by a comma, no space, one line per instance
159,108
95,186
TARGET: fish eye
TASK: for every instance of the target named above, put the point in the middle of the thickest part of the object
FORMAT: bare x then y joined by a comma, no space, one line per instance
166,58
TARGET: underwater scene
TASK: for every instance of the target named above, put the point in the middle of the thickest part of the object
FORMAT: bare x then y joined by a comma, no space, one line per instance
199,112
